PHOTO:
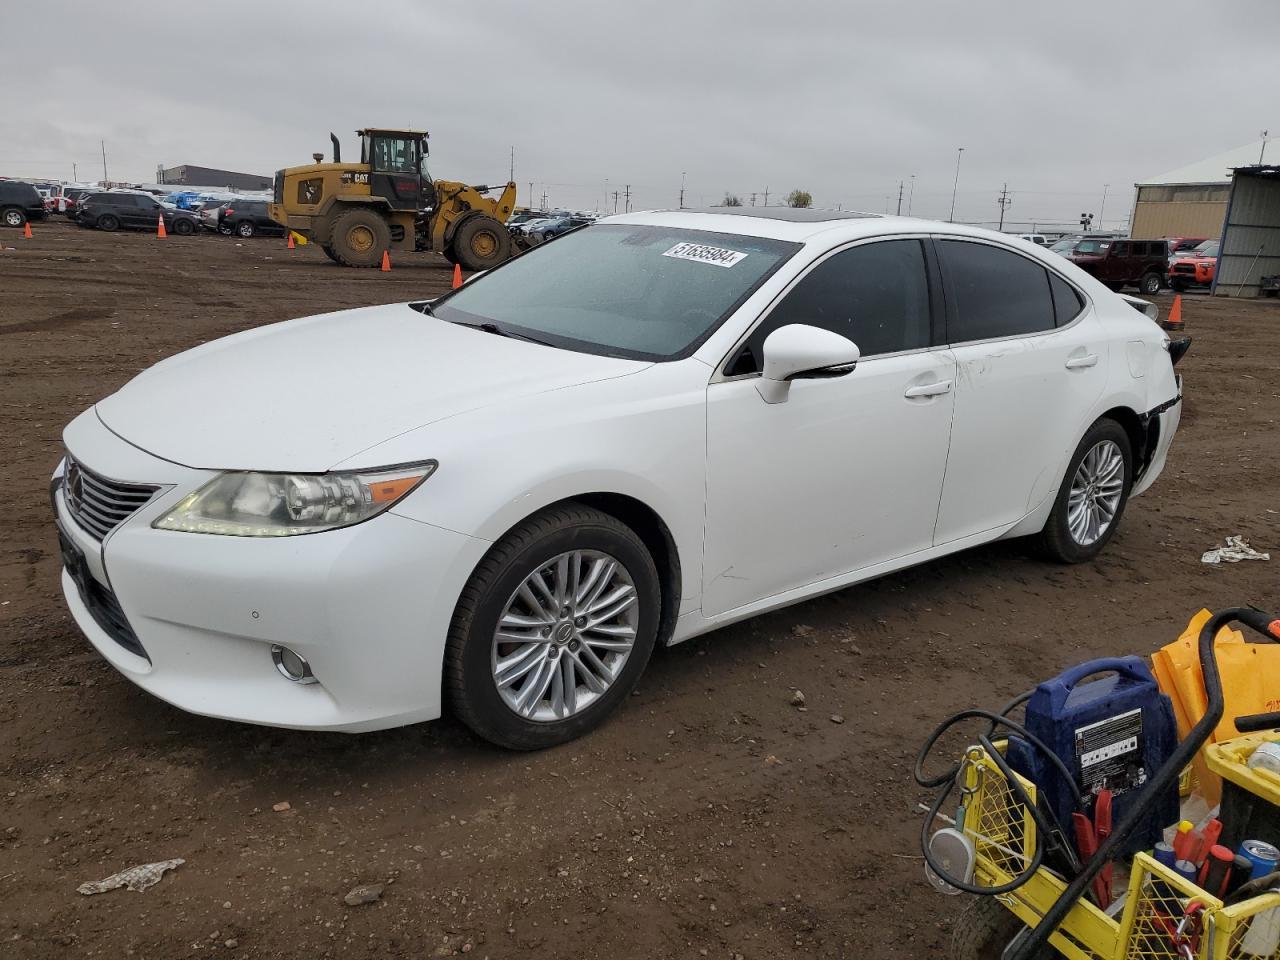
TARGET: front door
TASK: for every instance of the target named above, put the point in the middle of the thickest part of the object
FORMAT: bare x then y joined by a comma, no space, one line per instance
846,473
1031,361
393,170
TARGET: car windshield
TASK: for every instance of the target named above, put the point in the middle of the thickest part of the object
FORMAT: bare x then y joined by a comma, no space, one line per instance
644,292
1092,247
1064,246
1207,249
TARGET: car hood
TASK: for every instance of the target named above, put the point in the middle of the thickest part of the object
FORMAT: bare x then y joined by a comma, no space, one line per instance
307,394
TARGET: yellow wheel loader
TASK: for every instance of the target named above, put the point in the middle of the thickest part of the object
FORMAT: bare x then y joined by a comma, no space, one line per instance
388,201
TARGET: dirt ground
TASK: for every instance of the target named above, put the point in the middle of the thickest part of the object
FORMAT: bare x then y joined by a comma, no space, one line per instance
710,817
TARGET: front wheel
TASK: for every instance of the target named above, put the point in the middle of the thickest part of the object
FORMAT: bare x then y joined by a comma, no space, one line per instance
245,229
108,222
985,929
554,628
1093,495
1178,286
1149,284
184,228
480,243
13,217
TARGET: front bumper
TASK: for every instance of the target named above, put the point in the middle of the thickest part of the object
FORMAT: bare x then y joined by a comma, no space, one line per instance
368,606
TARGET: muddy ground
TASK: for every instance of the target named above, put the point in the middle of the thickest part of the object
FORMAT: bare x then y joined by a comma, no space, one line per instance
710,817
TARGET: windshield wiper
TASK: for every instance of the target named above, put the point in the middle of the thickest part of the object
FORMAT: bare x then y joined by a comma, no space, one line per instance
490,327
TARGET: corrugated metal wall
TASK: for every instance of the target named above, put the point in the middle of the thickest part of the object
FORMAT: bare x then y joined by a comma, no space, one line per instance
1254,228
1155,219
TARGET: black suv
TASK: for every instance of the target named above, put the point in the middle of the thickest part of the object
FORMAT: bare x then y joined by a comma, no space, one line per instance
1120,262
132,211
19,202
245,218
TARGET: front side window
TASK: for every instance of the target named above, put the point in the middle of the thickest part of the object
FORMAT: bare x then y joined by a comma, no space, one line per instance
1120,248
395,155
644,292
997,292
876,295
1092,248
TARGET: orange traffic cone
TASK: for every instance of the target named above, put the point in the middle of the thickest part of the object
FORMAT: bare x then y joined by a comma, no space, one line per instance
160,231
291,243
457,275
26,230
1174,321
386,262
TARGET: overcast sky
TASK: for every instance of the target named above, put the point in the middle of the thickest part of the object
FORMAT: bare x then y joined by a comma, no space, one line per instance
844,99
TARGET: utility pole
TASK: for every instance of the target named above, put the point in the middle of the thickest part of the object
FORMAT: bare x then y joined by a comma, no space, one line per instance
512,178
955,186
530,194
682,175
1004,200
626,196
103,144
544,198
766,196
753,199
900,185
615,201
1101,225
73,173
1263,152
912,194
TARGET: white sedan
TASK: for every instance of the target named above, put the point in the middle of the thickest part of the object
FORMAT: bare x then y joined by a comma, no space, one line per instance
644,430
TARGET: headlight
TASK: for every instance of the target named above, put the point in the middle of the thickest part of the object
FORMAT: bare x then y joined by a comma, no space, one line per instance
242,504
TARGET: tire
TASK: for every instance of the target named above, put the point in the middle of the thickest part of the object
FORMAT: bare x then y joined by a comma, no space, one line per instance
984,929
1149,284
480,243
183,227
1106,439
328,252
1113,285
108,222
1178,286
225,231
533,548
244,229
359,237
13,216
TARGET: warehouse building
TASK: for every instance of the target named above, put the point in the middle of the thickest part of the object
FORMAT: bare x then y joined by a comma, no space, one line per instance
1192,200
187,175
1249,259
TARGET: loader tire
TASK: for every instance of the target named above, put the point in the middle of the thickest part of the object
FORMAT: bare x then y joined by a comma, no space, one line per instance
480,243
328,252
359,238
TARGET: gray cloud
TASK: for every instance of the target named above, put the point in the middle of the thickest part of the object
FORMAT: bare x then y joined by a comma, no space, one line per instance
842,99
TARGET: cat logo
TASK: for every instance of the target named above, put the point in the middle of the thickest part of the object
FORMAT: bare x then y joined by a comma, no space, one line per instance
352,176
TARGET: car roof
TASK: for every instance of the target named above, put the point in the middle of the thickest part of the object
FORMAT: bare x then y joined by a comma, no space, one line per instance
785,223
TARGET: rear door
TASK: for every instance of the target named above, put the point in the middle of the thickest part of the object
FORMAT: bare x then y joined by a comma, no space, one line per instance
1031,361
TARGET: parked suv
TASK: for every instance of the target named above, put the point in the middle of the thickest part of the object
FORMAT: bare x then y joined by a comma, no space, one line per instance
1118,263
1196,269
245,218
19,202
132,211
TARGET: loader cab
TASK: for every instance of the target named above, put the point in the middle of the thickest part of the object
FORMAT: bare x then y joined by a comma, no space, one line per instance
397,162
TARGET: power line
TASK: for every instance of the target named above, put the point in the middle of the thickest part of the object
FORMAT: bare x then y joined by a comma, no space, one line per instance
1004,200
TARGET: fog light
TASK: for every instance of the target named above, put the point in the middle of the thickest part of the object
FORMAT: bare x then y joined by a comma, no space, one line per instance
291,665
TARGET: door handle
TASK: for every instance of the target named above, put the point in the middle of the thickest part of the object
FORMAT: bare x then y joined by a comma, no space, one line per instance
929,389
1088,360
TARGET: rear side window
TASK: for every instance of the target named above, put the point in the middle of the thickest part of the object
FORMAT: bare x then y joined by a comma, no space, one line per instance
1120,248
997,293
876,294
1067,304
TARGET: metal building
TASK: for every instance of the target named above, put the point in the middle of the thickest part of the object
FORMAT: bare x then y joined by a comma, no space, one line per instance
192,176
1192,200
1251,232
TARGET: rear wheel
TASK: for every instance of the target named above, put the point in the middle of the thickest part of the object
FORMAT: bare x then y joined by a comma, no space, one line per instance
225,231
184,228
328,252
360,236
13,216
984,929
554,628
1093,495
481,243
108,222
1150,283
245,229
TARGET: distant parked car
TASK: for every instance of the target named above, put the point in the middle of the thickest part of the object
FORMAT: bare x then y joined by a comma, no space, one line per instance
1197,269
1039,239
247,218
553,228
132,211
1118,263
1184,246
1065,245
19,202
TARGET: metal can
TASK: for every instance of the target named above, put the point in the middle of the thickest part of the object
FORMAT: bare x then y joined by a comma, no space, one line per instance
1264,857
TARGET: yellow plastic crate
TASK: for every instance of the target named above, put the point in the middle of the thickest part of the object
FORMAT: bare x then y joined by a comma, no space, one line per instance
1229,758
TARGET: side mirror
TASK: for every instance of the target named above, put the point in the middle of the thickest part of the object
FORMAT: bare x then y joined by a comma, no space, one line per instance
801,350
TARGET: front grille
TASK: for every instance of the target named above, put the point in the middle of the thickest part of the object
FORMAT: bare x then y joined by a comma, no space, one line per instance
100,505
1184,268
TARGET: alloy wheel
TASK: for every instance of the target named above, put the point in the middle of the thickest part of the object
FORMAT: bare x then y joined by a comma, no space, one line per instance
12,218
564,635
1095,493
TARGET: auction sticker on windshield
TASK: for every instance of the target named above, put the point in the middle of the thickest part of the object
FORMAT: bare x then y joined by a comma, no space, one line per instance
700,252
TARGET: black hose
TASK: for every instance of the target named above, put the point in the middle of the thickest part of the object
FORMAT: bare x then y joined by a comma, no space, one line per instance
1163,779
1046,824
